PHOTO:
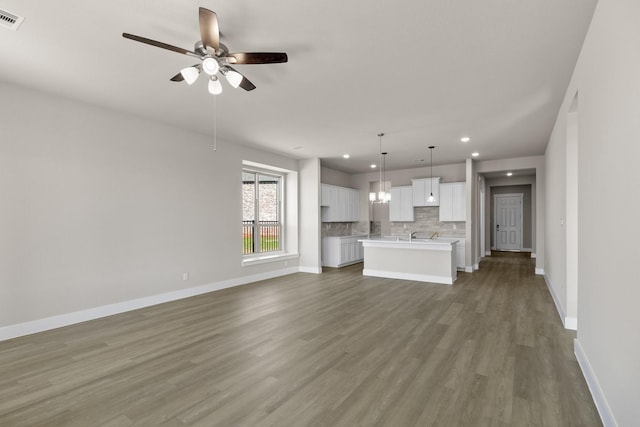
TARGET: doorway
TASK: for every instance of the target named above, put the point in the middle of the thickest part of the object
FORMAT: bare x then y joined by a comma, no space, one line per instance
571,223
508,222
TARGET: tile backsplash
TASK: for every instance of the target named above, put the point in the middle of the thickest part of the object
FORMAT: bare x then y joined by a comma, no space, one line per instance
344,228
376,228
427,222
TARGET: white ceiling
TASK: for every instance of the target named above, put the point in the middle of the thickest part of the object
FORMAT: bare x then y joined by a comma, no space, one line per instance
425,72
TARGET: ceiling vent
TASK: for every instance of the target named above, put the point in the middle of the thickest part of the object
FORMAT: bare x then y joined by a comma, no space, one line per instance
9,20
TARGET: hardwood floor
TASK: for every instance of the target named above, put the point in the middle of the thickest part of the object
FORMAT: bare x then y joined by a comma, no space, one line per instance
336,349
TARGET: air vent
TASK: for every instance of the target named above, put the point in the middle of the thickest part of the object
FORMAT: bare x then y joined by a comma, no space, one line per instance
9,20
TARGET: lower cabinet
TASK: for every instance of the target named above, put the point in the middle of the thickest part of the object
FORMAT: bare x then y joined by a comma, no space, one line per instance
338,251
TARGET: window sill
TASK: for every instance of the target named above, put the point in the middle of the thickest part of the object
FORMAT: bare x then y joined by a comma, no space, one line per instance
263,259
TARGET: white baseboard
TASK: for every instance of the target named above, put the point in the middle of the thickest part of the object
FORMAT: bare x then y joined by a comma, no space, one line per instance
40,325
314,270
555,299
408,276
540,271
568,322
533,255
599,399
476,267
571,323
469,269
487,253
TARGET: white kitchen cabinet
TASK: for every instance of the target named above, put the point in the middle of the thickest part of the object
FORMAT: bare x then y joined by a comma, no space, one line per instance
422,188
339,204
453,201
401,204
339,251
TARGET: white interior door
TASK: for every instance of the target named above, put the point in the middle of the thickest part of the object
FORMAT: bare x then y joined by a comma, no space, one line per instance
508,222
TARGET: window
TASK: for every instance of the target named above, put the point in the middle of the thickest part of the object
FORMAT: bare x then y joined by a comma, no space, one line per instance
261,212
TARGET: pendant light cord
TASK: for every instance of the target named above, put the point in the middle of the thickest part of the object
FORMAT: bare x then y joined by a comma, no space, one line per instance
431,147
382,167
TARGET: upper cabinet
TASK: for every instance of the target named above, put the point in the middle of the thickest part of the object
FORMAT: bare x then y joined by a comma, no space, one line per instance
453,201
339,204
422,188
401,204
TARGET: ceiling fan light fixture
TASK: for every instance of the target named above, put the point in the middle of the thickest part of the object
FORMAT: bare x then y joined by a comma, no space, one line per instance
215,88
190,74
210,66
234,78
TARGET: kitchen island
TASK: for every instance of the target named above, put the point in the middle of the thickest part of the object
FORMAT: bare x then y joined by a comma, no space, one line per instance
424,260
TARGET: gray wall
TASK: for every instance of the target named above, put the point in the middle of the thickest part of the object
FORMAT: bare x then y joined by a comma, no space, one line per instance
334,177
607,80
100,208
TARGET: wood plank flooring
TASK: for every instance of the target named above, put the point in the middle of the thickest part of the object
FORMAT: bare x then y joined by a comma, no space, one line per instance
336,349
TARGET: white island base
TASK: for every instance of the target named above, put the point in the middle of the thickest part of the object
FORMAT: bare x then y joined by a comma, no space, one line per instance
421,260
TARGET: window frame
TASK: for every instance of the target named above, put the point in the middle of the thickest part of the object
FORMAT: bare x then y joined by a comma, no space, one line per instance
257,253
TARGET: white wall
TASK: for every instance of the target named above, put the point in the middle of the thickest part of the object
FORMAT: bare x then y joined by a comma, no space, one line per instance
310,241
555,234
99,208
607,78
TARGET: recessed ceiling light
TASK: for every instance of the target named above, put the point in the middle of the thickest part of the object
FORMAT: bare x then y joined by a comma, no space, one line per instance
465,139
475,154
346,156
509,173
373,166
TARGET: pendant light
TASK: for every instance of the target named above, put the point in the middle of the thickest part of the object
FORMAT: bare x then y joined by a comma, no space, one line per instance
382,196
431,199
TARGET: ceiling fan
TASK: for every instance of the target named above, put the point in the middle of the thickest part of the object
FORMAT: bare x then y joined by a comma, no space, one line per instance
214,56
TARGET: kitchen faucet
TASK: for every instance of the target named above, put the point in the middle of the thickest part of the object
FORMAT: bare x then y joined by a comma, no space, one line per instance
435,234
412,235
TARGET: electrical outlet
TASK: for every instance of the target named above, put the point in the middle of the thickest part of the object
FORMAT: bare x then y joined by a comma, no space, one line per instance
185,276
455,226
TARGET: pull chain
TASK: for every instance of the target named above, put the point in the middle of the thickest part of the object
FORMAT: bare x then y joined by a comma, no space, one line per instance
215,127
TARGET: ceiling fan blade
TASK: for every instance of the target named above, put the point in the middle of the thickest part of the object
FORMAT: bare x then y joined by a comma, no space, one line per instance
179,77
244,83
257,58
159,44
209,31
